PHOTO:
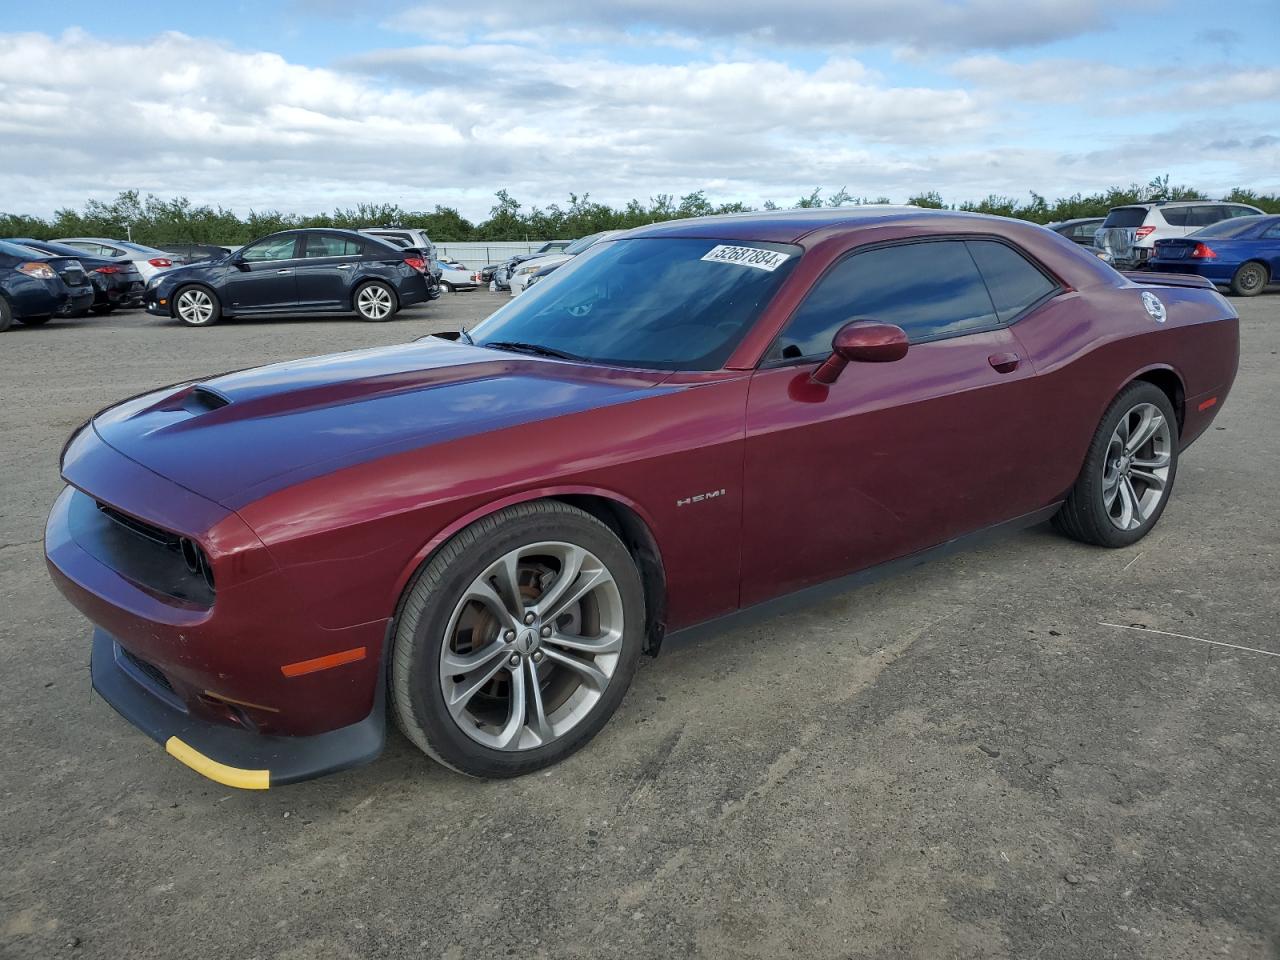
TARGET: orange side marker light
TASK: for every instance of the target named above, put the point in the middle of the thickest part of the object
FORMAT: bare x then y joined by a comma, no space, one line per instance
303,667
1207,404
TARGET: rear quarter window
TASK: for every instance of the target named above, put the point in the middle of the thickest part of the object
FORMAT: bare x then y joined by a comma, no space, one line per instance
1176,216
1015,284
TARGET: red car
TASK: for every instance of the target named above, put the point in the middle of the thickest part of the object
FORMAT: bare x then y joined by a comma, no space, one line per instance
695,421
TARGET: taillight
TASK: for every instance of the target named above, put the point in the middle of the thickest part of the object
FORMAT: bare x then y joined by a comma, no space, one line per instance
1202,252
1143,232
108,269
417,263
160,262
41,271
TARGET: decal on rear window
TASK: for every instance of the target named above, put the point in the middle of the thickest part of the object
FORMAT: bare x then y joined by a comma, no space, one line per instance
769,260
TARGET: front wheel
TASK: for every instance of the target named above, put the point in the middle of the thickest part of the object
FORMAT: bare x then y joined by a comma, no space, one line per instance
197,307
375,301
6,315
1128,472
517,642
1249,280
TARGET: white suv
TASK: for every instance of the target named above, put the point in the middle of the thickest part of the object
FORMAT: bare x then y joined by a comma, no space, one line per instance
1128,236
405,237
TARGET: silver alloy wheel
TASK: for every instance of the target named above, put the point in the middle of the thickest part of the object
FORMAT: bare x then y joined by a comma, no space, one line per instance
1135,473
532,645
195,306
374,302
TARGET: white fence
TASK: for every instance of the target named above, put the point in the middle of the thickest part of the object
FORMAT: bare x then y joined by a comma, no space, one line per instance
480,253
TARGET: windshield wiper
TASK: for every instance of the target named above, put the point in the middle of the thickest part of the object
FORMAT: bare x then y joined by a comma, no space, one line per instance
536,349
464,335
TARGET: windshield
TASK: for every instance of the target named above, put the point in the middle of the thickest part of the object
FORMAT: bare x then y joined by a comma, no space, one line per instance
659,303
1229,228
579,245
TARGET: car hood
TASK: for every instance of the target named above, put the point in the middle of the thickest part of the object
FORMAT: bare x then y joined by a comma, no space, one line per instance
238,436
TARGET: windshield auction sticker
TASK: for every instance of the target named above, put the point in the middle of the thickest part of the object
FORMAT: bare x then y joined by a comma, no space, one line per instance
769,260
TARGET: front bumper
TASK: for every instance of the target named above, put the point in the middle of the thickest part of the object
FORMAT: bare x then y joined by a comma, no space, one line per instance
230,756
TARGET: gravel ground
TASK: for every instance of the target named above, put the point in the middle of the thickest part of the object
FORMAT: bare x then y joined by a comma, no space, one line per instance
959,762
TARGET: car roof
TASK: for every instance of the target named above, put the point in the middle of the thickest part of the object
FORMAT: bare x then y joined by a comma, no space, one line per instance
790,226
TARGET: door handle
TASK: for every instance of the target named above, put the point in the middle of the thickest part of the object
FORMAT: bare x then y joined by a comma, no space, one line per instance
1004,362
284,271
344,266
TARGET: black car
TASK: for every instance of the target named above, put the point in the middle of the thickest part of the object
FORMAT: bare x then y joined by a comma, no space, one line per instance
35,286
1079,230
295,271
116,281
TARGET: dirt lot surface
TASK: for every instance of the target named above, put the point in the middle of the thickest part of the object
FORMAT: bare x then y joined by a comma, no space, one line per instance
959,762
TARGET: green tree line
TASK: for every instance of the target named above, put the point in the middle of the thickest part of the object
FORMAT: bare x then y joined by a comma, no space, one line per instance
152,220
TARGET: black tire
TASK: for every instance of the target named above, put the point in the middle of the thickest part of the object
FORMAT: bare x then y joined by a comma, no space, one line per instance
215,305
6,315
365,310
102,309
34,321
416,692
1250,280
1085,515
448,287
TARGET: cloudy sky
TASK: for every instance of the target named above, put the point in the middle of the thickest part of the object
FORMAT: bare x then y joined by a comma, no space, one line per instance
310,104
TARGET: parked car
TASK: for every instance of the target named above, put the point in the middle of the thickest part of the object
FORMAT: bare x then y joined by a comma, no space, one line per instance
1129,233
1242,254
1079,230
492,270
405,236
455,276
488,531
521,275
148,260
294,271
193,252
116,282
35,286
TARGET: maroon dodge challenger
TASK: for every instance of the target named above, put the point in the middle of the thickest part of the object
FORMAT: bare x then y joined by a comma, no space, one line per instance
691,423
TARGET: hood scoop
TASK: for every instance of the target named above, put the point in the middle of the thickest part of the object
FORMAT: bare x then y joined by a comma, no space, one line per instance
203,399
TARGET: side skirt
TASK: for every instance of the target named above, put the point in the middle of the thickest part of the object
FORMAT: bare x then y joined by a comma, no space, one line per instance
823,591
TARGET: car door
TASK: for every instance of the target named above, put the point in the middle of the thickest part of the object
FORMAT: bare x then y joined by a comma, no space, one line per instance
328,263
895,457
1269,248
263,275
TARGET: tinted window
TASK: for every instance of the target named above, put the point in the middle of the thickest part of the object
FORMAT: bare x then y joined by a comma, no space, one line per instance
17,250
1175,216
272,248
1273,233
1084,230
672,304
1126,217
1241,211
1203,216
330,245
1013,282
929,289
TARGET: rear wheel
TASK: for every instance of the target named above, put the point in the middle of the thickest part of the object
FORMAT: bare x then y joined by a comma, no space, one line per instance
1128,471
6,315
196,306
1249,280
375,301
517,642
448,287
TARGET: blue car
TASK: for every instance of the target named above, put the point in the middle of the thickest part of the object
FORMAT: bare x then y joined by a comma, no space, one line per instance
35,286
294,272
1242,253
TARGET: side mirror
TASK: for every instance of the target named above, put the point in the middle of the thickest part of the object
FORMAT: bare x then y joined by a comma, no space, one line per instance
862,341
238,262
